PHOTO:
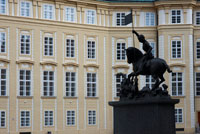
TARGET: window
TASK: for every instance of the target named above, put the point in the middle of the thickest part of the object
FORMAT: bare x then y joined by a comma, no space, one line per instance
91,117
48,12
48,83
25,82
2,42
90,16
153,51
120,19
48,46
198,18
197,84
91,85
176,16
48,118
2,6
91,49
177,84
25,9
25,119
176,49
2,119
3,82
70,48
70,118
198,50
70,14
118,80
149,81
121,51
25,44
178,115
150,19
70,84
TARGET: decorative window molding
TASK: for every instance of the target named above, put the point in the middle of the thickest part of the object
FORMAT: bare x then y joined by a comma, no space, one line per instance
48,83
70,84
70,14
48,118
176,16
176,49
48,11
25,118
26,8
91,117
177,83
178,115
70,118
2,119
197,83
150,19
2,42
90,16
91,85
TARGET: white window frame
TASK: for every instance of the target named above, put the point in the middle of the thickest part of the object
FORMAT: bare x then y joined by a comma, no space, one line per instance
49,51
70,118
150,81
197,17
70,48
48,117
93,117
178,115
175,50
91,91
24,80
120,52
2,41
197,84
26,9
118,80
3,80
91,50
177,82
26,52
90,16
1,119
198,49
151,21
73,16
5,6
48,12
25,118
70,82
181,16
48,81
120,18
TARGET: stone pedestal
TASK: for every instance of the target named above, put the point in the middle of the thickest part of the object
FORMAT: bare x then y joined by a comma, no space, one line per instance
145,116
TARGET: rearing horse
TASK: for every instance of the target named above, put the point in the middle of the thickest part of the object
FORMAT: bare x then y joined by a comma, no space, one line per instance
155,67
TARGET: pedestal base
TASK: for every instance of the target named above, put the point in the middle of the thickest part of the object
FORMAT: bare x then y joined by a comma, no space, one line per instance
148,116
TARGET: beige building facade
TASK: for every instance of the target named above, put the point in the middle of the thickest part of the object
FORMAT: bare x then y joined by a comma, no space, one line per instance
59,61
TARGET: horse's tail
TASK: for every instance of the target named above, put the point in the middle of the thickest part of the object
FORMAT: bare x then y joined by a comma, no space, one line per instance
168,69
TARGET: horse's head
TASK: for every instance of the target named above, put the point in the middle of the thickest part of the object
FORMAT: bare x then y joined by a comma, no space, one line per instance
133,54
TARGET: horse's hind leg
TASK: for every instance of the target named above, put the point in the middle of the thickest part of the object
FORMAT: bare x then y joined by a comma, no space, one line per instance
158,82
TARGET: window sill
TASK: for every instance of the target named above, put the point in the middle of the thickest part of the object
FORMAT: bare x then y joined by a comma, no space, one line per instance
178,97
24,97
65,97
4,96
48,97
197,96
93,98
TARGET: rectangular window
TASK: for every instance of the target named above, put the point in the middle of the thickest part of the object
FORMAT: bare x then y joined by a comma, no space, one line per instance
48,46
48,12
25,82
121,51
2,6
177,84
48,83
3,82
70,48
176,16
70,118
90,16
2,119
197,84
48,118
70,14
149,81
153,51
178,115
91,117
120,19
25,9
118,80
70,84
176,49
2,42
150,19
91,85
197,18
25,44
198,50
25,119
91,49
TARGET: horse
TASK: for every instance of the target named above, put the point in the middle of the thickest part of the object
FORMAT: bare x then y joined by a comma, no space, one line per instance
155,67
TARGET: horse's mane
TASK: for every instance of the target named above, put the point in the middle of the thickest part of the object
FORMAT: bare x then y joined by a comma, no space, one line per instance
134,53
